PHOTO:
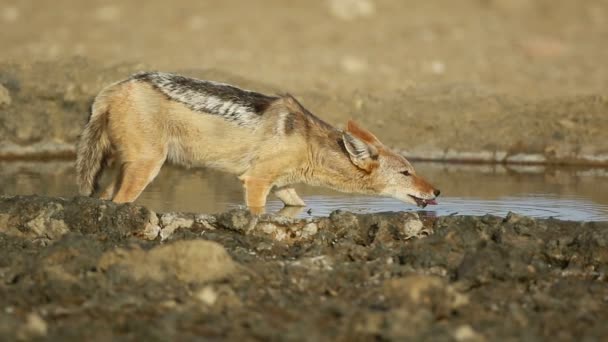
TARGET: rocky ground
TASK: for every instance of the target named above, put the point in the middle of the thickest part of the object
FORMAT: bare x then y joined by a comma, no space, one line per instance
82,269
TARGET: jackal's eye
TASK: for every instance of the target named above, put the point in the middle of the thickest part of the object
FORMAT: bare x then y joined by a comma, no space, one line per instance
405,173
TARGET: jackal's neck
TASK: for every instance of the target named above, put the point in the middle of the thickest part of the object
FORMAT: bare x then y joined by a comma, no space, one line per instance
331,167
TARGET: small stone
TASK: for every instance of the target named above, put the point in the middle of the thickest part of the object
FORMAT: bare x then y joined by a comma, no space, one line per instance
437,67
168,304
238,220
206,221
44,225
351,9
108,13
196,23
171,222
466,333
353,65
34,327
517,218
188,261
425,291
10,14
263,246
568,124
151,229
207,295
5,96
309,230
317,263
412,228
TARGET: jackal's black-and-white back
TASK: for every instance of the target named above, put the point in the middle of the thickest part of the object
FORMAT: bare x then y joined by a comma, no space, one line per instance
239,106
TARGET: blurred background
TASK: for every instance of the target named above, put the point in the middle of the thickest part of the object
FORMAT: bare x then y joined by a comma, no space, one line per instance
440,79
472,76
526,47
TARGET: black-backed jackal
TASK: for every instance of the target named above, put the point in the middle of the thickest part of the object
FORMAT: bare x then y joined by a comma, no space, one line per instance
269,142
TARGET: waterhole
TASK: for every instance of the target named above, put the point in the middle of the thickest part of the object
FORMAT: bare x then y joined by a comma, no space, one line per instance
566,193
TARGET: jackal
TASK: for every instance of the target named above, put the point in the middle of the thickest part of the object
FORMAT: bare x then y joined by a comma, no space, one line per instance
269,142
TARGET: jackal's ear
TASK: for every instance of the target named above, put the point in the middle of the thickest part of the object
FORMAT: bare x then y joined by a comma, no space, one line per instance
361,153
353,128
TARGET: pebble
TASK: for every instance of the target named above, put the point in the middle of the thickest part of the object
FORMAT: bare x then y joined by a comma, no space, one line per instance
353,65
351,9
437,67
10,14
566,123
34,326
412,228
309,230
196,23
107,13
207,295
5,96
466,333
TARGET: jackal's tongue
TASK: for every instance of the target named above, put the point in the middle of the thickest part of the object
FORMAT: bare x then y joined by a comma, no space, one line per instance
431,202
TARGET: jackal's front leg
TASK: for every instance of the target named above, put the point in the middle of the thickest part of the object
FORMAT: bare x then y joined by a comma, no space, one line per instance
256,191
289,196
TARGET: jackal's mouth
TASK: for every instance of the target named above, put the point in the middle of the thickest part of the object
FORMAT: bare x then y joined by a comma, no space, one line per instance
421,202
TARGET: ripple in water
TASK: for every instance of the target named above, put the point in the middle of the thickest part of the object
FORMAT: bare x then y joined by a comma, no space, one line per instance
534,205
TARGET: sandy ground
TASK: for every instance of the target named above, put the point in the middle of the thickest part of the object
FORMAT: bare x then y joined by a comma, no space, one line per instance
474,80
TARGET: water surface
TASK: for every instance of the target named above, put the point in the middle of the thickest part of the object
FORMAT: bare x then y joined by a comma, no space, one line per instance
565,193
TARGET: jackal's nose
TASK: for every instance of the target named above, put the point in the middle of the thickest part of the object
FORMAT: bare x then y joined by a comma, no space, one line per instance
437,193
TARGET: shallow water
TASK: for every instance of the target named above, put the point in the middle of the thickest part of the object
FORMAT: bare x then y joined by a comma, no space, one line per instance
564,193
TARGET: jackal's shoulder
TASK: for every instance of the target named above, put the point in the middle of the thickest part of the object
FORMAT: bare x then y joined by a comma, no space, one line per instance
234,104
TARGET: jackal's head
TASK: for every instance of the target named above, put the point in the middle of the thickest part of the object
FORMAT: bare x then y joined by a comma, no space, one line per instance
388,172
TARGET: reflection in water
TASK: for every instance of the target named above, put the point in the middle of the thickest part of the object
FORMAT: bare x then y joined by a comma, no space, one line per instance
535,205
564,193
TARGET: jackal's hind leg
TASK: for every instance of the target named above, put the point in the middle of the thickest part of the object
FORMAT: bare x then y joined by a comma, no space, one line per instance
135,176
289,196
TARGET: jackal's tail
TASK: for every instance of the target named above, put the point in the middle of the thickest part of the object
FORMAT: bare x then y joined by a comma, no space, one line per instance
92,149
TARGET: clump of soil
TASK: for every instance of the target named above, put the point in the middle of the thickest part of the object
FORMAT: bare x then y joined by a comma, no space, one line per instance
79,268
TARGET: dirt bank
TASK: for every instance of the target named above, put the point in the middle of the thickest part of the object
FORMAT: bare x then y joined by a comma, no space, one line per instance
78,268
46,106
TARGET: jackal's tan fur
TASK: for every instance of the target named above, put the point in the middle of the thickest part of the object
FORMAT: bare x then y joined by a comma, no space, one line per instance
269,142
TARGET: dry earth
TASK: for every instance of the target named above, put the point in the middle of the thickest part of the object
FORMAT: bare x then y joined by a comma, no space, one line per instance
81,269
